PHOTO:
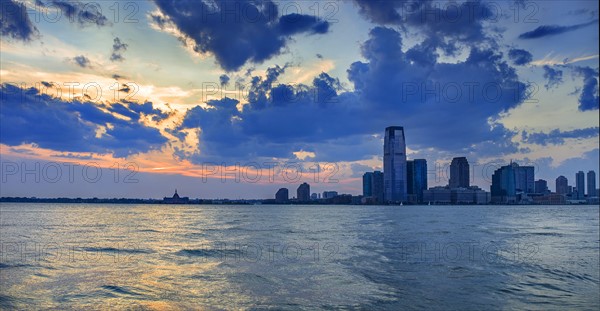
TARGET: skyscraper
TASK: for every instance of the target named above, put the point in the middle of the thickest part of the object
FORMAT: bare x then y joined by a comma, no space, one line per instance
282,195
562,185
503,188
368,184
377,187
303,192
416,175
591,184
525,179
394,164
509,180
580,185
541,186
459,173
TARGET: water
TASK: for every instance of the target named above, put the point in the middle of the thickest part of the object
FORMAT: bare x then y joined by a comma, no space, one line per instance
94,256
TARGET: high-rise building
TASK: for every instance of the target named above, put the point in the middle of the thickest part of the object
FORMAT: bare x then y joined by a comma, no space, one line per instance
591,184
562,185
410,171
525,179
541,186
368,184
282,195
510,180
303,192
503,188
416,176
459,173
394,165
373,186
580,185
377,187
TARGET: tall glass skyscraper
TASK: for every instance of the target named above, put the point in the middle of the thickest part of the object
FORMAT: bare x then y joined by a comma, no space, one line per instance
591,184
416,178
459,173
394,164
580,184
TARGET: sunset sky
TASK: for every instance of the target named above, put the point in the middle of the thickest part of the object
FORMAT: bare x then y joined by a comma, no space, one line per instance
175,89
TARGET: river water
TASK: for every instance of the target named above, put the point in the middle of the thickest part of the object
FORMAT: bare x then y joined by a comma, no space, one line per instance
180,257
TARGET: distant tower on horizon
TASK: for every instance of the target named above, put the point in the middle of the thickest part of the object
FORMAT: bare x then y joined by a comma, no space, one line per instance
591,184
394,165
580,185
282,195
416,177
459,173
562,185
303,192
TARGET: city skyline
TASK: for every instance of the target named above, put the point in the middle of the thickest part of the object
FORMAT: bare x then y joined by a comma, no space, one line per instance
142,88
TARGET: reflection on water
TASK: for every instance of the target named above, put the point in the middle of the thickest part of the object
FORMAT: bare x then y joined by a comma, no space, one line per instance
92,256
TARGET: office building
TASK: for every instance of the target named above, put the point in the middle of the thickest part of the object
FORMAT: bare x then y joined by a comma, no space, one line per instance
511,183
367,184
416,176
445,195
303,192
591,184
524,179
373,186
329,194
580,185
459,173
562,185
282,195
541,186
394,165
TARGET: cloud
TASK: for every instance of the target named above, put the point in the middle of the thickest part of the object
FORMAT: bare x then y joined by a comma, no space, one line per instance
552,30
82,61
224,79
520,57
426,96
235,32
588,100
30,117
118,49
444,25
80,13
390,87
15,22
557,137
553,77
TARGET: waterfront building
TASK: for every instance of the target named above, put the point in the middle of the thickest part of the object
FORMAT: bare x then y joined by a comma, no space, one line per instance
303,192
459,173
282,195
394,165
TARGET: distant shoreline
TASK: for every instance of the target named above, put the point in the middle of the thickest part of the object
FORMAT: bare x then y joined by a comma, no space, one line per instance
226,202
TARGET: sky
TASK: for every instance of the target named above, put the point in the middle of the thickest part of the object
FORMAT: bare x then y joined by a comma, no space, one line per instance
237,98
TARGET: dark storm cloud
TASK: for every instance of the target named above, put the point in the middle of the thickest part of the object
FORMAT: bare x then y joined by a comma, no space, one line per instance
552,30
553,77
31,117
82,61
520,57
588,100
118,49
15,22
446,25
81,13
236,32
557,137
390,87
